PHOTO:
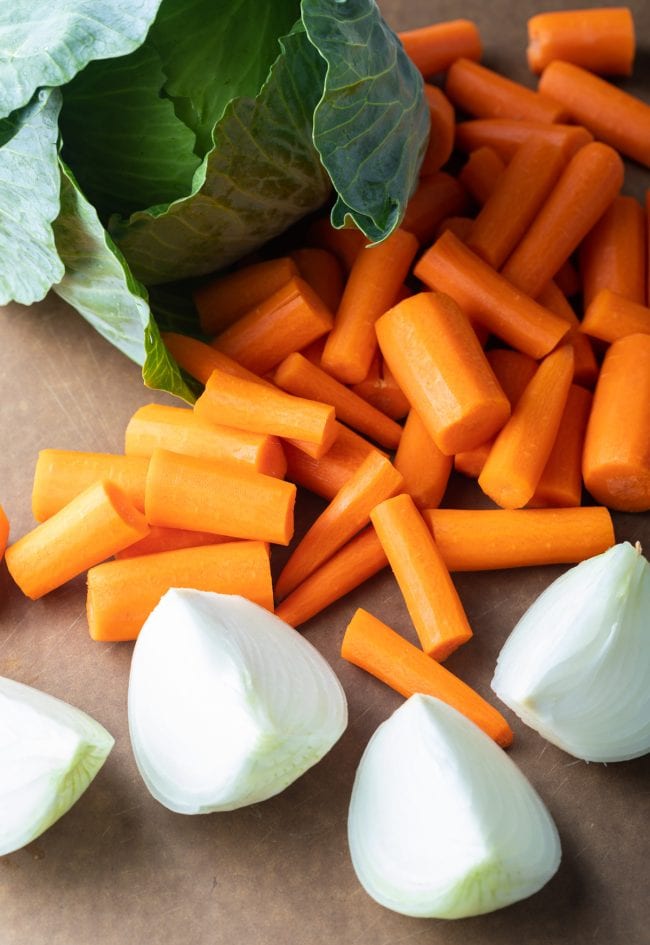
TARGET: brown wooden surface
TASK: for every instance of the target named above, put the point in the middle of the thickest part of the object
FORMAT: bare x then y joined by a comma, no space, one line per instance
121,869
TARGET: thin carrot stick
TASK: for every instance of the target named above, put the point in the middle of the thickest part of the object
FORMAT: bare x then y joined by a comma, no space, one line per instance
585,366
438,196
504,135
223,300
4,532
224,498
169,539
425,469
60,475
91,527
375,647
345,243
601,40
613,254
516,461
611,316
491,539
355,563
323,272
561,482
481,174
284,322
616,459
485,94
376,276
486,296
433,48
298,376
327,475
442,128
612,115
200,359
348,512
568,279
423,578
433,352
588,185
380,389
122,594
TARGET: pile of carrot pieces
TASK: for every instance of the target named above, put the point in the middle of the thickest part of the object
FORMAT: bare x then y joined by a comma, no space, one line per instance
365,374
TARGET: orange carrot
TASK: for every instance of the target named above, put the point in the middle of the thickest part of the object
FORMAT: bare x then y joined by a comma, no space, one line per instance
647,217
348,512
613,255
481,174
461,227
345,243
490,539
516,461
205,495
585,366
4,531
611,316
323,272
327,475
200,359
180,430
616,459
433,48
561,482
433,352
375,647
286,321
170,539
376,276
355,563
438,196
486,296
601,40
588,185
568,279
60,475
380,389
504,135
242,404
612,115
425,469
122,594
314,351
430,596
442,127
298,376
222,301
91,527
485,94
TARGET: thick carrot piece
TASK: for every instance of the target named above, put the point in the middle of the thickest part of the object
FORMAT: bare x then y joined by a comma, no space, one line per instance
588,185
348,512
4,532
521,450
481,174
345,243
60,475
170,539
122,594
612,115
235,402
355,563
441,135
180,430
438,196
461,227
613,254
611,316
486,296
601,40
375,647
200,359
323,272
504,135
435,355
585,366
89,529
327,475
560,484
380,389
425,469
486,94
491,539
286,321
224,300
433,48
194,493
616,459
518,194
422,575
374,281
298,376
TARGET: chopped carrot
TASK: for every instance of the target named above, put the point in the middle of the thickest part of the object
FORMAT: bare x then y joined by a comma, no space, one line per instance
200,359
616,459
356,562
314,351
4,531
504,135
344,243
122,594
611,316
612,115
327,475
486,296
375,647
490,539
585,366
568,279
60,475
601,39
438,196
323,272
561,482
481,174
224,498
223,300
461,227
433,48
90,528
286,321
588,185
348,512
486,94
442,126
613,254
433,352
521,450
376,276
422,575
380,389
425,469
170,539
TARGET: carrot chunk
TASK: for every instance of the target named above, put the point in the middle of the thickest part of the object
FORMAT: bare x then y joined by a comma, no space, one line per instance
486,94
433,48
601,39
